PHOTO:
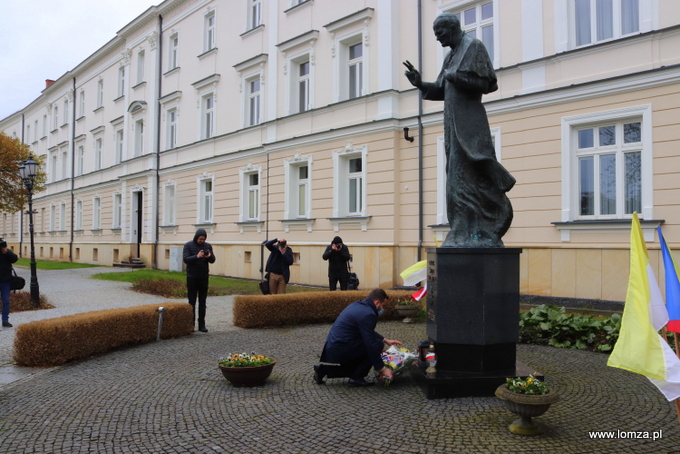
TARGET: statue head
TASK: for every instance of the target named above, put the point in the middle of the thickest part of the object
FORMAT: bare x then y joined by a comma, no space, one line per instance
447,29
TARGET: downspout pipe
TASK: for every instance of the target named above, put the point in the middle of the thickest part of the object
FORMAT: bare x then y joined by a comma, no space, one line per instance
158,140
73,171
420,134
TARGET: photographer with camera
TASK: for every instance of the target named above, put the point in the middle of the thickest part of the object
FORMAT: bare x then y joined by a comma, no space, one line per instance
337,255
278,265
198,255
7,257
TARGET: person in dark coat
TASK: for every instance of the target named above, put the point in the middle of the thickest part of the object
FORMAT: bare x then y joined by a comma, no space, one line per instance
198,254
7,257
353,345
278,265
337,255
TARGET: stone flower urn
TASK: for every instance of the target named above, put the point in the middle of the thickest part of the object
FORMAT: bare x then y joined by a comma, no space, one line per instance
526,406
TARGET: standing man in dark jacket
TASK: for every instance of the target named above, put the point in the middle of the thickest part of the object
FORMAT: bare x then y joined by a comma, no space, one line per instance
198,254
7,257
353,345
278,263
337,255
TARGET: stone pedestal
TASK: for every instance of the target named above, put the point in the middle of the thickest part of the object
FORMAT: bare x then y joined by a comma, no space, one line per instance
472,319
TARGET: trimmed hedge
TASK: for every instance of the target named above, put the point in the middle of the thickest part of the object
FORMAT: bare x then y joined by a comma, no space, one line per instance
259,311
56,341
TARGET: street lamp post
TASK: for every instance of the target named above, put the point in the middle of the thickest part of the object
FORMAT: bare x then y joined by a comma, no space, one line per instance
28,170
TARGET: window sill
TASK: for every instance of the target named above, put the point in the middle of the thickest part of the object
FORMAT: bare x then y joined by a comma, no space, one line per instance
250,226
252,31
139,85
80,118
207,52
116,230
170,71
606,226
304,223
207,226
353,220
170,228
440,231
96,232
98,109
299,6
120,98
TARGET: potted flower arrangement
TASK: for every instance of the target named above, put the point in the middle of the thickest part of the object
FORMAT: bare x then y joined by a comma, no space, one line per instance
526,397
246,369
407,307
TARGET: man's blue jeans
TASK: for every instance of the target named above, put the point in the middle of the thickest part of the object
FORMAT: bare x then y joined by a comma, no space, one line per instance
4,292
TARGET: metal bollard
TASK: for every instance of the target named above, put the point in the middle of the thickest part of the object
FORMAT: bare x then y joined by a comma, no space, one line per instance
161,311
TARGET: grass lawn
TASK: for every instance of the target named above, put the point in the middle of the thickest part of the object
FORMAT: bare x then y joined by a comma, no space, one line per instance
219,285
49,265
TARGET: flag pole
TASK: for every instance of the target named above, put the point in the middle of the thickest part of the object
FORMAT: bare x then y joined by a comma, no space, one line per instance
677,352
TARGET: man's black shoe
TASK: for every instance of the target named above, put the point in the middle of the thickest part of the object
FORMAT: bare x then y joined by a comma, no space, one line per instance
318,374
203,329
359,382
7,325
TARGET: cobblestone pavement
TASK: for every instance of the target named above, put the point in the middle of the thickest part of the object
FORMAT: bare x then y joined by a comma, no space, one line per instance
170,397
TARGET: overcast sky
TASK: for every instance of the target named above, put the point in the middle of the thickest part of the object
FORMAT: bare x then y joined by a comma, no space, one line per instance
41,39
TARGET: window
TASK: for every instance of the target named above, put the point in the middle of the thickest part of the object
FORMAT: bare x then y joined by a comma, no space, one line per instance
117,210
477,21
96,213
140,66
79,215
298,188
601,20
139,137
35,131
171,125
65,112
121,81
64,164
81,104
252,196
355,70
120,141
205,205
609,174
80,158
55,117
302,87
100,93
28,132
350,174
53,167
254,13
62,216
53,218
44,132
253,107
173,49
169,217
208,116
209,34
97,153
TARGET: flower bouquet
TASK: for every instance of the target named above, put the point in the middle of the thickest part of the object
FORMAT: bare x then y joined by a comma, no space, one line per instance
245,360
528,385
398,360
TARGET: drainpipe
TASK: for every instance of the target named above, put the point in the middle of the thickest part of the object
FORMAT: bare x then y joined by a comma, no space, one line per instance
158,140
420,134
73,170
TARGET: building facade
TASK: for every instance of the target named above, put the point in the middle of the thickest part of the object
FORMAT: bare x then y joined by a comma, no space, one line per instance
257,119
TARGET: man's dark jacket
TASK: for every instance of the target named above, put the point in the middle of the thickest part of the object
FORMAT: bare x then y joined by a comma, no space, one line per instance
6,261
277,262
353,335
337,261
198,267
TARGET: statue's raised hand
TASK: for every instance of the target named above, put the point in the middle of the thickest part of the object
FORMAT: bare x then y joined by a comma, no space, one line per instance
412,74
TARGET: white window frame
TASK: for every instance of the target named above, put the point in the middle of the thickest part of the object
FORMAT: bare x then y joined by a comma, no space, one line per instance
62,216
141,58
53,218
64,164
80,158
248,213
170,203
79,215
171,124
96,212
53,165
173,51
44,132
296,82
35,131
117,218
617,26
209,23
100,93
459,10
55,117
208,101
254,14
206,199
120,145
342,177
28,132
121,81
253,100
139,132
294,187
98,152
81,101
65,115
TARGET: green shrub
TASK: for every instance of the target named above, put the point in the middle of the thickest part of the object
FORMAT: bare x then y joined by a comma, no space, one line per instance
56,341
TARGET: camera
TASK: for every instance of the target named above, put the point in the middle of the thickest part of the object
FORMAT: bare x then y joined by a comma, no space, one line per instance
3,244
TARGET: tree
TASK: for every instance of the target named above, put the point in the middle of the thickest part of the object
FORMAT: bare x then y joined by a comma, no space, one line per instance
13,153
